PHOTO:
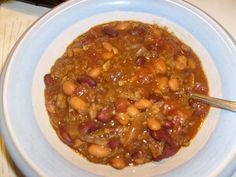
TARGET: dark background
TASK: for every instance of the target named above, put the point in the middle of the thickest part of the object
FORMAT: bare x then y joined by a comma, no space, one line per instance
45,3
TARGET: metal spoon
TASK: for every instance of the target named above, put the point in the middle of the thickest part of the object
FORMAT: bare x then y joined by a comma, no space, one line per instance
220,103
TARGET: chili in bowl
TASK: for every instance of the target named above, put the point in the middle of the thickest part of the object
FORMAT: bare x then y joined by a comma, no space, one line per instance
97,86
119,95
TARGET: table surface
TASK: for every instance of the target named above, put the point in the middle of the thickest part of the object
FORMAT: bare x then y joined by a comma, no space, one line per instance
16,17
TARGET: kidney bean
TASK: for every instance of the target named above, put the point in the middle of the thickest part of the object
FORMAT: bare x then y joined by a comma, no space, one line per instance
89,126
200,108
105,115
110,31
48,80
185,48
87,79
169,106
64,136
114,143
140,60
138,30
162,135
167,152
200,88
167,124
121,105
86,40
154,98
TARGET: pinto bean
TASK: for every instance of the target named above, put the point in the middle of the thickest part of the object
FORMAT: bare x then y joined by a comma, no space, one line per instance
51,106
181,62
121,105
87,79
143,104
132,111
76,51
64,136
191,64
106,66
154,124
61,101
122,118
78,104
98,151
160,66
78,143
114,143
107,55
115,50
105,115
95,72
118,163
68,87
140,60
110,31
89,126
174,84
107,46
163,84
122,26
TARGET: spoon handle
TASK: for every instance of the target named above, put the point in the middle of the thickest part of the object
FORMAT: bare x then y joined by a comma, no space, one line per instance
225,104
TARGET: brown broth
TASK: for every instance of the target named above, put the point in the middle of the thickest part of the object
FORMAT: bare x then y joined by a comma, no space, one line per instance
119,95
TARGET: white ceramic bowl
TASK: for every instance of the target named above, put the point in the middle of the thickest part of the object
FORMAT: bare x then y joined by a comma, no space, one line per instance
29,136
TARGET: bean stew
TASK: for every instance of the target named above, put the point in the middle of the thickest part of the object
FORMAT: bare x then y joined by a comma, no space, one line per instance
119,95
